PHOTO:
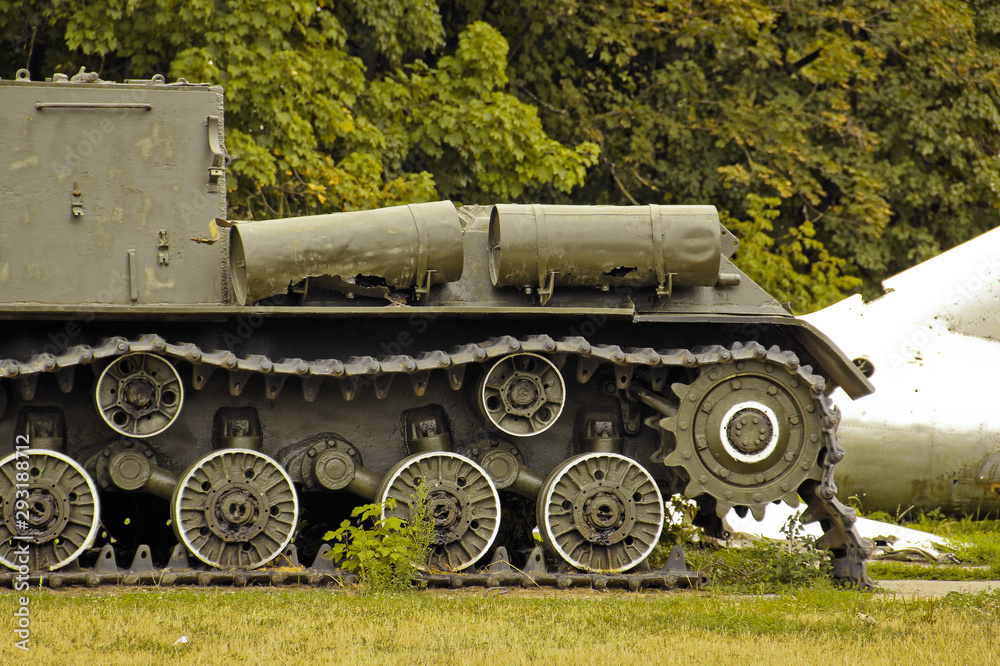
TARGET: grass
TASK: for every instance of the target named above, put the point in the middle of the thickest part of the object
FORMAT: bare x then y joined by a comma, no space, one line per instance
522,626
979,554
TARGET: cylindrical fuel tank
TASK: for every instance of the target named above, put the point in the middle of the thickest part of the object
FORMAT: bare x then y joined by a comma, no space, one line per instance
398,245
599,246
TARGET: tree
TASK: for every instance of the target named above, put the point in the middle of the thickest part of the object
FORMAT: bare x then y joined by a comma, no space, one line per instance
865,130
328,107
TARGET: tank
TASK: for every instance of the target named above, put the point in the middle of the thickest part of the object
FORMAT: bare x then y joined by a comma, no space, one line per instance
218,392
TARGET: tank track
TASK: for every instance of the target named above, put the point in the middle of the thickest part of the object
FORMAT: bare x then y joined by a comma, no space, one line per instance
849,550
323,573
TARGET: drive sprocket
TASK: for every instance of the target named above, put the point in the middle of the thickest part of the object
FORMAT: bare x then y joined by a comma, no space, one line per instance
750,431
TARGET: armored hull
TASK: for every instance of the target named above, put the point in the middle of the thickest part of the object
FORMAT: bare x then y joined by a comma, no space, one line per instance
225,391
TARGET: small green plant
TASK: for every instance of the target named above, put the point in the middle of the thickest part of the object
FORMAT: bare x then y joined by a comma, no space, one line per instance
767,565
678,529
388,552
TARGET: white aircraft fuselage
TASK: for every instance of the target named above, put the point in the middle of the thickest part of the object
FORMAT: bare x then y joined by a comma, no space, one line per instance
929,437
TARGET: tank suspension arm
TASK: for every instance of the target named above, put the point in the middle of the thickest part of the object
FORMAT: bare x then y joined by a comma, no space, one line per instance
335,469
131,470
653,400
502,462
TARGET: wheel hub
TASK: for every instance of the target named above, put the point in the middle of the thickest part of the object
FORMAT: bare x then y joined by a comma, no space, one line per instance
60,510
445,510
138,392
461,500
749,431
43,508
600,512
604,513
235,508
522,394
236,511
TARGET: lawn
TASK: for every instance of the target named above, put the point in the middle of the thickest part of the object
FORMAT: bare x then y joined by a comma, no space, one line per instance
276,626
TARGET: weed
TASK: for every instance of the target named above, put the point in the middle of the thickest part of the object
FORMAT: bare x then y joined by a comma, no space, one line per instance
387,554
678,529
766,566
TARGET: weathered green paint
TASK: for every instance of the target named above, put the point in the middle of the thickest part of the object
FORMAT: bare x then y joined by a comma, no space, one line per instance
399,247
604,246
92,174
335,352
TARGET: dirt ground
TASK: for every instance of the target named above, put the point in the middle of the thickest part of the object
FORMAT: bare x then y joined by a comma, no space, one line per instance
936,588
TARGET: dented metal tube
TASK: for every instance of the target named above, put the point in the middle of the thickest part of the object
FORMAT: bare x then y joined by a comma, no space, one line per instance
604,246
400,247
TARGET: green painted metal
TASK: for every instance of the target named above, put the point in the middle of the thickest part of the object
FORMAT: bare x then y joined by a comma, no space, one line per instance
402,247
604,246
521,347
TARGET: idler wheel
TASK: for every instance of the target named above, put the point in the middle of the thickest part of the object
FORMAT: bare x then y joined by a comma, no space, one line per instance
139,395
235,508
50,509
522,394
461,500
601,512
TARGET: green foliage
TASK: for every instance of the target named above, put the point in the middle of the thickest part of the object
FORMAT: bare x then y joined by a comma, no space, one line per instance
842,140
766,566
893,570
678,529
328,106
799,269
388,553
871,126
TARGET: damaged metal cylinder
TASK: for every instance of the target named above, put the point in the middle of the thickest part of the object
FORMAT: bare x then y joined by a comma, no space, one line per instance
604,246
399,248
